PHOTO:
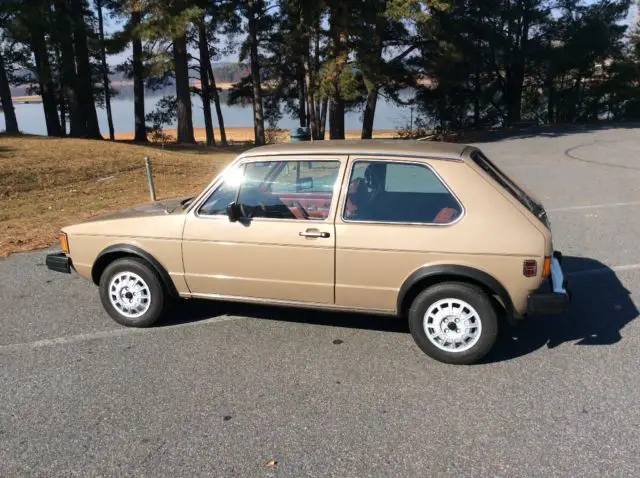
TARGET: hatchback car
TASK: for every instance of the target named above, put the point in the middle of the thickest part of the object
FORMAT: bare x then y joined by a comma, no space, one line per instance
431,232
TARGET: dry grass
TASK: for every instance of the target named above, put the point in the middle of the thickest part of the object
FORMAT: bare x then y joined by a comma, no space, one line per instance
48,183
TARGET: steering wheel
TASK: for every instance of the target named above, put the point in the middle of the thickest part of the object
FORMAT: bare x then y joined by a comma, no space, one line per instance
256,199
249,211
302,210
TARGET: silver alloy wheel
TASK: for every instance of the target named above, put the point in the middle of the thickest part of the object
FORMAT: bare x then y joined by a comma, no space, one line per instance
129,294
452,325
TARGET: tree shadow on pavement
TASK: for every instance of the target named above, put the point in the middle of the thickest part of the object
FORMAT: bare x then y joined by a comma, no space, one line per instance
545,131
601,307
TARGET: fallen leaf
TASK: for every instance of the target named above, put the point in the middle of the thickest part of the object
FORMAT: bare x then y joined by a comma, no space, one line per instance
271,463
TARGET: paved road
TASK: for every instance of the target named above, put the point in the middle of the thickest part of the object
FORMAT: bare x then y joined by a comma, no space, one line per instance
220,390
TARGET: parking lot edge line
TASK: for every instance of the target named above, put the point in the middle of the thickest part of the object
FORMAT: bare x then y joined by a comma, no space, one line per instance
103,334
594,206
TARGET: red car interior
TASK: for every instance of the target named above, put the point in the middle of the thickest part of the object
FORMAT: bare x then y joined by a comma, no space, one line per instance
316,205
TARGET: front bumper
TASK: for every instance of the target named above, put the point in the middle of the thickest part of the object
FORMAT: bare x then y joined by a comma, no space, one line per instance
553,296
59,262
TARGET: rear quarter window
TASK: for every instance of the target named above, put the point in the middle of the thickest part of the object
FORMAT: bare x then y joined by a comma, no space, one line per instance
412,178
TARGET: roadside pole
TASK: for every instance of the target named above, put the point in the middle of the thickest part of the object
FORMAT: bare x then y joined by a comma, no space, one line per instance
149,168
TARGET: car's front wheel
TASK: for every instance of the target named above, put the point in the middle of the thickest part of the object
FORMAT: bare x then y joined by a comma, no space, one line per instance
454,322
132,293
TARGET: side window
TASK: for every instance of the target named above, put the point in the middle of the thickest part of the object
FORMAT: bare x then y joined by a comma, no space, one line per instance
306,177
412,178
216,203
396,192
288,189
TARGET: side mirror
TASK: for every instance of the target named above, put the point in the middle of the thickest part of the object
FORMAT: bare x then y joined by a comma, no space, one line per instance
234,212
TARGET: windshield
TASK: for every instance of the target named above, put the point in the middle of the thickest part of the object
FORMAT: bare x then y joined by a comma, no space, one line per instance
511,187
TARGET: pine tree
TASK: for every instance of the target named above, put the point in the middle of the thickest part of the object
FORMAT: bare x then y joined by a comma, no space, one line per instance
68,78
32,22
10,120
85,86
140,134
382,44
205,89
99,4
252,10
167,23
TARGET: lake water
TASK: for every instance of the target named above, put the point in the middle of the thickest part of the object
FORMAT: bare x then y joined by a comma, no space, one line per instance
31,116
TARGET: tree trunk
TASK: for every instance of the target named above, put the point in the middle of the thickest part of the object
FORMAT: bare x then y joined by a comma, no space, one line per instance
476,105
575,100
312,116
258,114
516,73
551,97
339,51
323,117
69,78
302,108
85,83
10,120
216,101
181,63
62,103
369,114
336,118
203,45
476,89
105,71
513,97
77,120
45,81
138,76
317,109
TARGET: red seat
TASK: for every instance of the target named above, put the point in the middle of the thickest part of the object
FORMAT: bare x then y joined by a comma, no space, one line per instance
445,216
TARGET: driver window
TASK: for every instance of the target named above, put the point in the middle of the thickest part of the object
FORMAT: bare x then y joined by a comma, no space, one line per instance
288,189
216,204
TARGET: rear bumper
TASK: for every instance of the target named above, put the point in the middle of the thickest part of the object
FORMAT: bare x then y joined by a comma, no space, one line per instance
59,262
553,296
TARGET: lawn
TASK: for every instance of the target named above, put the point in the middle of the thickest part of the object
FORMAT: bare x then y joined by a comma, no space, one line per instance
47,183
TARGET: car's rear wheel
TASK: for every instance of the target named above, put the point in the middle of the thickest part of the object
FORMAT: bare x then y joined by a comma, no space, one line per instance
132,293
454,322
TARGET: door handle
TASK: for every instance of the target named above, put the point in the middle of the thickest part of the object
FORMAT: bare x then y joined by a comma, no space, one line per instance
307,233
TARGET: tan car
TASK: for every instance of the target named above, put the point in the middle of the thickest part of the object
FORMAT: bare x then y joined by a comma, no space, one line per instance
432,232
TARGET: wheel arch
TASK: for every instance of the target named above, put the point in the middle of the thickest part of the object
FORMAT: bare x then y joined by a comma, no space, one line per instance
430,275
118,251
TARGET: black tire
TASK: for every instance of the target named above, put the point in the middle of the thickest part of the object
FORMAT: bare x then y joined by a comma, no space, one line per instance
157,295
473,296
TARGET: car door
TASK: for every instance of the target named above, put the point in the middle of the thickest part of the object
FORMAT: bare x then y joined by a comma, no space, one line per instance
394,218
283,247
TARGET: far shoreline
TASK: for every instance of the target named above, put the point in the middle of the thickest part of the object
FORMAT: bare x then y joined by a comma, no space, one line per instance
244,134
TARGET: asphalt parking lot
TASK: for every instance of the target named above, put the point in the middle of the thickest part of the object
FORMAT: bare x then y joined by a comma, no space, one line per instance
219,390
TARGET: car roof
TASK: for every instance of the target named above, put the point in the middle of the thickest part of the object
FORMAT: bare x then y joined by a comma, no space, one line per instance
368,147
